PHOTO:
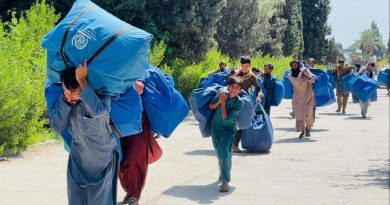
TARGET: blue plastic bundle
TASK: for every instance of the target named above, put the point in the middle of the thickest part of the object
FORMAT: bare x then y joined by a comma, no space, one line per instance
217,78
259,137
363,87
117,53
383,77
322,88
288,88
331,77
164,105
246,113
199,101
344,85
126,111
277,92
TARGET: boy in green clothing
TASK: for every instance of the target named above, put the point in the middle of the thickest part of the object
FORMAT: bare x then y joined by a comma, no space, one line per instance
226,106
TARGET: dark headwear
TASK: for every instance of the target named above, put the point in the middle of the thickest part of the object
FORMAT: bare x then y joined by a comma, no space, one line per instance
68,77
254,69
245,60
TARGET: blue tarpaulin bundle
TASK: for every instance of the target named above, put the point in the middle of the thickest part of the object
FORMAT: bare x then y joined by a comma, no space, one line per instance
323,90
117,53
364,88
288,89
200,99
165,106
126,111
344,86
277,92
259,137
332,77
247,111
217,78
383,77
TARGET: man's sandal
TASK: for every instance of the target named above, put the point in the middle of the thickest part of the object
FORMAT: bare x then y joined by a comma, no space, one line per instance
224,188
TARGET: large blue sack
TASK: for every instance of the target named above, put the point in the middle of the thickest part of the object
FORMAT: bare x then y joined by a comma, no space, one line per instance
331,77
368,90
288,88
247,111
277,92
383,77
200,100
164,105
217,78
259,137
117,52
322,88
364,88
126,111
344,85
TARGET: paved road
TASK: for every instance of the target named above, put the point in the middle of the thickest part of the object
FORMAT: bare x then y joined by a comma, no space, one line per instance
346,161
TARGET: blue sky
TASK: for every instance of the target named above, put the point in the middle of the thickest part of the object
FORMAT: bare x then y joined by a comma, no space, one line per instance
349,17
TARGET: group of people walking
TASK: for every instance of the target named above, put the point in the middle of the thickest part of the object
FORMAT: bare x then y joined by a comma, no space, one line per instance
225,135
95,163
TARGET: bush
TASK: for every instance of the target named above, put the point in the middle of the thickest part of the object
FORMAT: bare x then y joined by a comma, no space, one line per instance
22,75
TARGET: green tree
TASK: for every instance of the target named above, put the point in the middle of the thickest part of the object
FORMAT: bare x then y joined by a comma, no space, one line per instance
242,30
315,28
332,51
7,6
371,42
278,25
293,35
189,25
22,76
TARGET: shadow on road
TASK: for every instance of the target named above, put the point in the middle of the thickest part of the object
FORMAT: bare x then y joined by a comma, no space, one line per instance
202,194
201,152
295,140
378,176
337,114
357,118
292,129
283,117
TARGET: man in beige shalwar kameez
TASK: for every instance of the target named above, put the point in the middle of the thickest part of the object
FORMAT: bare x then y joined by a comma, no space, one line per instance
342,98
303,100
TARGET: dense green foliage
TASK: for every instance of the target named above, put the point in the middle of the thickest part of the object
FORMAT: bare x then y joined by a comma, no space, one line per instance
22,75
315,29
242,29
370,42
293,35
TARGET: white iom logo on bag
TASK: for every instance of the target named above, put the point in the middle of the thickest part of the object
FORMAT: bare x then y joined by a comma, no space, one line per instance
80,40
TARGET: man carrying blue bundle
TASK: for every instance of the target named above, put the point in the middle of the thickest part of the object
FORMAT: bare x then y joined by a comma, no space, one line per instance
268,84
370,73
92,163
222,68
